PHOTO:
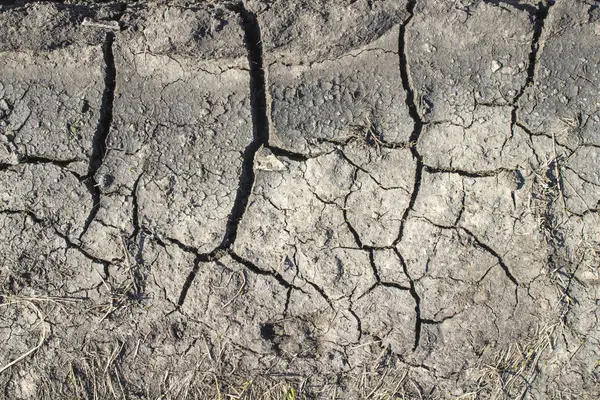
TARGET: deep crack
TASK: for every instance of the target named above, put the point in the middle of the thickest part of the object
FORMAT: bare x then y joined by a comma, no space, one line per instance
102,129
414,138
414,114
260,122
260,128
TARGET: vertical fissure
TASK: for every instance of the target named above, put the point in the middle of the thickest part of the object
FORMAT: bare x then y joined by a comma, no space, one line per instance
260,137
414,138
538,28
260,121
102,129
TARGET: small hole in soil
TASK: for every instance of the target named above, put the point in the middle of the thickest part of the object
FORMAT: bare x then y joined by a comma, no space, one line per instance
108,180
267,332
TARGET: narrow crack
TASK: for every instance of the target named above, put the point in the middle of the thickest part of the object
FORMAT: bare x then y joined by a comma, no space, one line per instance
188,281
27,159
290,155
416,297
135,212
494,253
394,285
37,160
64,237
538,27
351,228
481,245
102,129
288,297
321,292
468,174
200,258
259,271
374,265
358,323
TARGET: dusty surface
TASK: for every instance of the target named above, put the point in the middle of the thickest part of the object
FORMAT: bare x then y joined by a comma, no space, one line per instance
300,199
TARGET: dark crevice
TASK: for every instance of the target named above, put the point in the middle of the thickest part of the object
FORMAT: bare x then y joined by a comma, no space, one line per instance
481,245
64,237
188,282
200,258
538,27
45,160
414,114
260,121
405,77
288,296
351,228
373,265
427,321
540,19
135,218
394,285
290,155
468,174
414,138
416,297
258,271
36,160
413,199
102,129
358,324
260,127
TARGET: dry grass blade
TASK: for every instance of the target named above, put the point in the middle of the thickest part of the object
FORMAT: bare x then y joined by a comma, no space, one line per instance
516,367
41,338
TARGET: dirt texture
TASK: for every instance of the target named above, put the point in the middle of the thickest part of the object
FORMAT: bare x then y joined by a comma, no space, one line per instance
300,199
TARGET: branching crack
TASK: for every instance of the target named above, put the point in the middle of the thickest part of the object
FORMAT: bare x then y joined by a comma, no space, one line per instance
414,114
260,121
419,166
64,237
321,292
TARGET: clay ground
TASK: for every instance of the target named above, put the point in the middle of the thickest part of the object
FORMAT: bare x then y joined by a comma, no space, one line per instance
300,199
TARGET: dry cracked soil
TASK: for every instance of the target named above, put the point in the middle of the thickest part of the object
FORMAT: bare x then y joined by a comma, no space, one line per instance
300,199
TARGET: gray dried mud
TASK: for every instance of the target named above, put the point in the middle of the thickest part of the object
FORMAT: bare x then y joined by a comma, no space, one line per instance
300,200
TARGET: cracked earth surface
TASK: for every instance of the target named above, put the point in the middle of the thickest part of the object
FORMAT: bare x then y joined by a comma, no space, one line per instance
300,199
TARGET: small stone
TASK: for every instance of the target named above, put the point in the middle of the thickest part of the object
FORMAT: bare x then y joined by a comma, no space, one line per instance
265,160
496,66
